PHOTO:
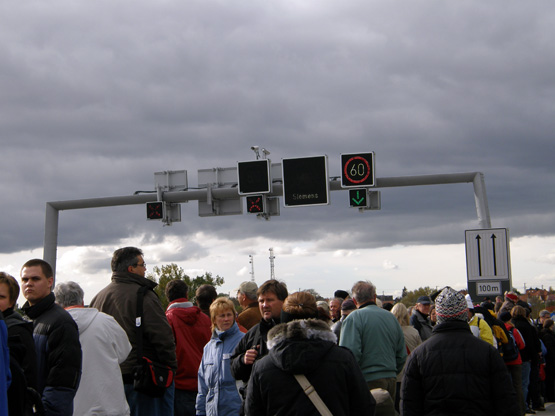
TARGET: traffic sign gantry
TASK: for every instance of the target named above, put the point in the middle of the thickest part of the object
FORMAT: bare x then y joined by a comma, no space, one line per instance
254,177
305,181
357,169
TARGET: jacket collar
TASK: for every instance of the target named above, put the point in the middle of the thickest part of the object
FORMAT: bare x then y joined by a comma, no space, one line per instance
420,315
251,305
223,335
369,303
453,325
39,308
126,277
267,325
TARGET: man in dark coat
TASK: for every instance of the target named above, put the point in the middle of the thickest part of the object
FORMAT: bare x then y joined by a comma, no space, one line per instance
420,318
119,299
252,346
56,339
455,373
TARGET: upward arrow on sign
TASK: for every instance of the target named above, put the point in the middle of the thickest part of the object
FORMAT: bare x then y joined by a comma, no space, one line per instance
493,252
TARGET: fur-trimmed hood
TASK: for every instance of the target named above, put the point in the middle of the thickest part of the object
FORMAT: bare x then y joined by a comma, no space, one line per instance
297,347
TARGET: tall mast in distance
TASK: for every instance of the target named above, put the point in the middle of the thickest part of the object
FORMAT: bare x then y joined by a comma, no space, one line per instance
251,261
272,257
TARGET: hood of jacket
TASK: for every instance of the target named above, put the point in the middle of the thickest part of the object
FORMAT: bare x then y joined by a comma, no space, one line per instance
83,317
298,347
184,310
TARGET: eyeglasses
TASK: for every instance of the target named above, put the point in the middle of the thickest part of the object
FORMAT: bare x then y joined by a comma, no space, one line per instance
141,265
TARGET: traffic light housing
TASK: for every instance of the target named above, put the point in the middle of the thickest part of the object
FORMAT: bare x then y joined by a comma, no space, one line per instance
255,204
155,210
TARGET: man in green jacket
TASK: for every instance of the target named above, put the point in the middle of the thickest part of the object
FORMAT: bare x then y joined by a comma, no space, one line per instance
375,338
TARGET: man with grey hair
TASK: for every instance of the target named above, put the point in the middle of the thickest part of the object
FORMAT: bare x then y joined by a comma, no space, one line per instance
105,346
375,338
248,299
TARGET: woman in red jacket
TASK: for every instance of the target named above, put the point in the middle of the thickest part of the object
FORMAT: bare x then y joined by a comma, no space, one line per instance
515,366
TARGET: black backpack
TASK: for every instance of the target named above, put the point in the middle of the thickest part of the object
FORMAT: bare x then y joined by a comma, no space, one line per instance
509,351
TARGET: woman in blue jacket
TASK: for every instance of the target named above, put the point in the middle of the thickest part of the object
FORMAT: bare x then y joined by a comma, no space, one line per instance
217,391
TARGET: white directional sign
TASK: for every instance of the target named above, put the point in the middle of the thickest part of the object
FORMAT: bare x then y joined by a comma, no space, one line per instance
487,255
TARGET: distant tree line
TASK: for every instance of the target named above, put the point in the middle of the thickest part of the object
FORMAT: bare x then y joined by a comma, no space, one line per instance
166,273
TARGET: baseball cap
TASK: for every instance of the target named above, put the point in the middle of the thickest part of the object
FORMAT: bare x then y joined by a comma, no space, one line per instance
424,300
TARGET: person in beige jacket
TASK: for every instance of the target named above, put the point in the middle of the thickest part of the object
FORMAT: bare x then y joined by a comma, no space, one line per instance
412,340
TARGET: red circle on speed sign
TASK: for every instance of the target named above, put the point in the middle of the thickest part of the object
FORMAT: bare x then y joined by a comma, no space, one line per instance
363,175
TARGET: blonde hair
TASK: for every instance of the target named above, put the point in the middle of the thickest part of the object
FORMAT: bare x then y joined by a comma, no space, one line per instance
401,313
219,306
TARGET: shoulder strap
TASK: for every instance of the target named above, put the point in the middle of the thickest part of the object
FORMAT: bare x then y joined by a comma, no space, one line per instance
139,321
313,395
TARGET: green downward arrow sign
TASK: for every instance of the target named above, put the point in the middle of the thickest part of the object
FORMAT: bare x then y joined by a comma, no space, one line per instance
358,197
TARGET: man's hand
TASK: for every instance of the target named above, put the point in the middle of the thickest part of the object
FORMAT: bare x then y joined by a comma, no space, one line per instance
250,355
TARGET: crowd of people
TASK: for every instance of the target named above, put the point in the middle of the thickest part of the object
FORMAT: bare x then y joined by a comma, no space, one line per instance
283,354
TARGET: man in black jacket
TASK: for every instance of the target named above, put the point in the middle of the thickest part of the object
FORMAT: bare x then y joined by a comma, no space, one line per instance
252,346
56,339
455,373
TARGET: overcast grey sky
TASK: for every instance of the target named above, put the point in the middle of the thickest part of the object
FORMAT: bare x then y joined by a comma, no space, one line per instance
97,96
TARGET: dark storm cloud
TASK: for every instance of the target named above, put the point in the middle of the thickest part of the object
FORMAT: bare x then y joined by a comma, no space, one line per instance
96,97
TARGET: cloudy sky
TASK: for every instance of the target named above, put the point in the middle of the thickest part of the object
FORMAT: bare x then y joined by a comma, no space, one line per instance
96,96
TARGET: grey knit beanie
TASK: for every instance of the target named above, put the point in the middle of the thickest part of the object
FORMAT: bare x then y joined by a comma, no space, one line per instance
451,306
